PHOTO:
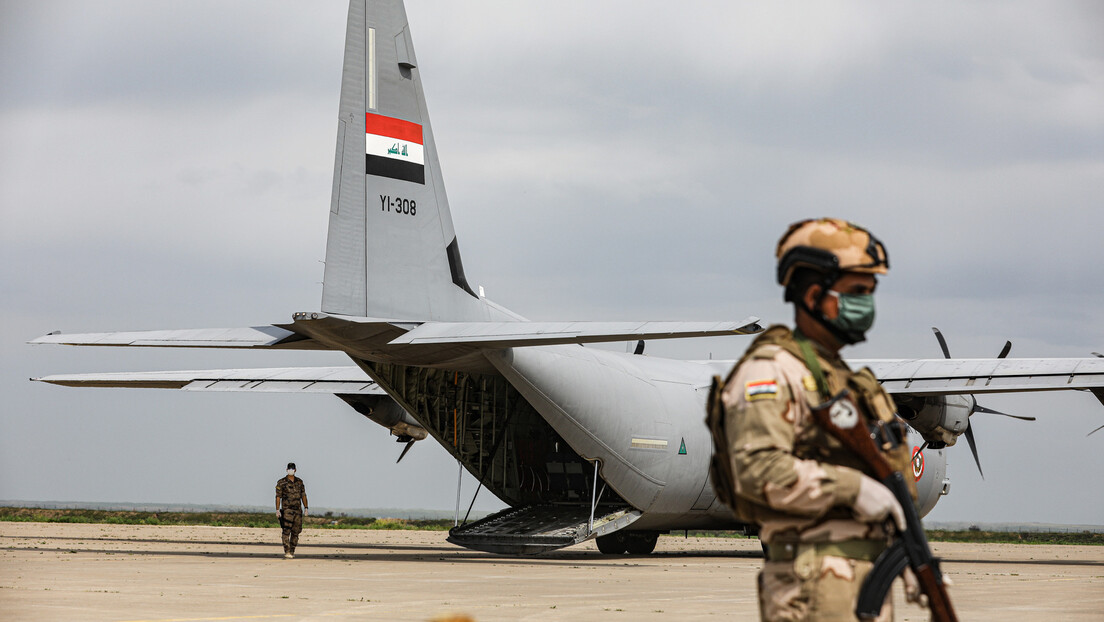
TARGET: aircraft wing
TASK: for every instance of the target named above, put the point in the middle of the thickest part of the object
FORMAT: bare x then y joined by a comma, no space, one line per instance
520,334
338,380
320,331
961,376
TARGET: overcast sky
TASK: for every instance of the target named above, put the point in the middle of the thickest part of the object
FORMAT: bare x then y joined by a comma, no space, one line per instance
168,165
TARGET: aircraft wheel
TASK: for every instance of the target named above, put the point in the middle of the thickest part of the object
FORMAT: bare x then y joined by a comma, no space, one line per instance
613,544
642,542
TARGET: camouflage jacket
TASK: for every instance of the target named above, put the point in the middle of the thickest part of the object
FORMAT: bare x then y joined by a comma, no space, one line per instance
790,476
290,492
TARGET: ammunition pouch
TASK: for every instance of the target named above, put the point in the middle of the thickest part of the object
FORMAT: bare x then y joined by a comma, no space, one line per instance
887,430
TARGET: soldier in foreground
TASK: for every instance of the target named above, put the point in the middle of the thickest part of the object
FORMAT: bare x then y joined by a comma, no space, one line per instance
290,491
821,516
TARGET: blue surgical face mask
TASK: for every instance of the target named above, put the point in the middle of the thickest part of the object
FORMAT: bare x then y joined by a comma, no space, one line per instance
856,314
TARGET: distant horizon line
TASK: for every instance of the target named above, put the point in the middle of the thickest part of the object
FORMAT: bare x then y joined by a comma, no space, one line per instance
426,513
379,512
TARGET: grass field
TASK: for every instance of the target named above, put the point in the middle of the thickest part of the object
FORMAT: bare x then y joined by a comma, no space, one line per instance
331,521
218,519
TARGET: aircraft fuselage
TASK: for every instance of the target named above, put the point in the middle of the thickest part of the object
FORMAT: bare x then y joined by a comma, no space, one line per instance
640,417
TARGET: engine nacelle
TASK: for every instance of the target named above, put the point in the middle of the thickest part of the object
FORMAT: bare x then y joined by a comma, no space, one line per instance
386,412
940,419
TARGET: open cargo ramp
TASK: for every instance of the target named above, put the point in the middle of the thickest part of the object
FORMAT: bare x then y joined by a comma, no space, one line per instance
534,529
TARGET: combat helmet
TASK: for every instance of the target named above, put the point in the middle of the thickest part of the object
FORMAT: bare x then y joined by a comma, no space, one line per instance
829,246
819,251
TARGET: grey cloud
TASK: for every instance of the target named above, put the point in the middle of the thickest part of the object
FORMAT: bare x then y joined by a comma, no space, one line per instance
162,52
163,168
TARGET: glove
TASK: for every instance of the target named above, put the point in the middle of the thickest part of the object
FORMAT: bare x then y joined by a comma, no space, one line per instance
875,502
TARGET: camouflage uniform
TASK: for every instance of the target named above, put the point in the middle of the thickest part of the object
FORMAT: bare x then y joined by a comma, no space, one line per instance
291,494
798,483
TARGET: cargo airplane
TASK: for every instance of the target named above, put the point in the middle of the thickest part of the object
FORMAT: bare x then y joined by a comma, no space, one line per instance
579,442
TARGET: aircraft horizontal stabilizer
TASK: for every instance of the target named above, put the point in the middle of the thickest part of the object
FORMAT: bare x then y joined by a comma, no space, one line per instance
250,337
336,380
520,334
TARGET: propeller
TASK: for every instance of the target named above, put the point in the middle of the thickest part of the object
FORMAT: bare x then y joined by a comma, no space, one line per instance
409,444
639,347
990,411
978,408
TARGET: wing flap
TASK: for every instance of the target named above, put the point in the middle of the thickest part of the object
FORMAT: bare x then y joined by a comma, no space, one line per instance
333,380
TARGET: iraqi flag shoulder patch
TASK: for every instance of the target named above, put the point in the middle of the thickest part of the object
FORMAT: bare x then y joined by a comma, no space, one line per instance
761,390
394,148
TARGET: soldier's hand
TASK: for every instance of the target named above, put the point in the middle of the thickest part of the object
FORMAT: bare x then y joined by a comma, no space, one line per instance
279,513
912,588
304,511
875,502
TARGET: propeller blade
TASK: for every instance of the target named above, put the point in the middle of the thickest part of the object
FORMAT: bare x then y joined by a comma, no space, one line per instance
1004,351
1098,355
942,342
1096,430
973,447
990,411
409,444
639,347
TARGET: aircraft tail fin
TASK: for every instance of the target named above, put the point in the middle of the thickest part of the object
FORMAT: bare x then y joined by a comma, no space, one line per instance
391,250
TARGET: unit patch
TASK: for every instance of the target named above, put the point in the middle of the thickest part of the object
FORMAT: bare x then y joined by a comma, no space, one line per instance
843,414
761,390
809,382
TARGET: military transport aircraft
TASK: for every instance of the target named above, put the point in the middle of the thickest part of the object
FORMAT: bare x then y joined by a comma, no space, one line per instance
580,442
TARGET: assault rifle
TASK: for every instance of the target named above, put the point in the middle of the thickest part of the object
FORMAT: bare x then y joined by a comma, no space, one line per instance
840,418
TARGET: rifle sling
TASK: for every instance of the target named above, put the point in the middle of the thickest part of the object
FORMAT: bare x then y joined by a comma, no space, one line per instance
814,366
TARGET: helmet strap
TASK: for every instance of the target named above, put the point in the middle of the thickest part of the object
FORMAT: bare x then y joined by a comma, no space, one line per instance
845,337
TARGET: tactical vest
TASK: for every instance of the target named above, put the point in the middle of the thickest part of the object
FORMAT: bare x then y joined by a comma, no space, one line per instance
813,443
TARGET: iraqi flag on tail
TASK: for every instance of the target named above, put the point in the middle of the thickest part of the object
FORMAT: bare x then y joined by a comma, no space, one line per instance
394,148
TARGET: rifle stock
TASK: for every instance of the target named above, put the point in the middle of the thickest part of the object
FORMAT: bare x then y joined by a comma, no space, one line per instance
911,548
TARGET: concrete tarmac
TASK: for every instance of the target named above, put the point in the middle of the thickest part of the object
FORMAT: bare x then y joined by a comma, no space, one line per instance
162,573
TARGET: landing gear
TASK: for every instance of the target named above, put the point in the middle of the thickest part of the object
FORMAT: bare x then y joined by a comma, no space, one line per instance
632,542
613,544
642,542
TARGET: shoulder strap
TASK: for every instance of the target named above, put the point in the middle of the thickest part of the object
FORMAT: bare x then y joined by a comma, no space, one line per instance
813,364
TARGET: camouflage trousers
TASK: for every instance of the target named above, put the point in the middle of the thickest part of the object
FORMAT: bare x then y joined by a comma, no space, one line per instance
814,586
291,522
